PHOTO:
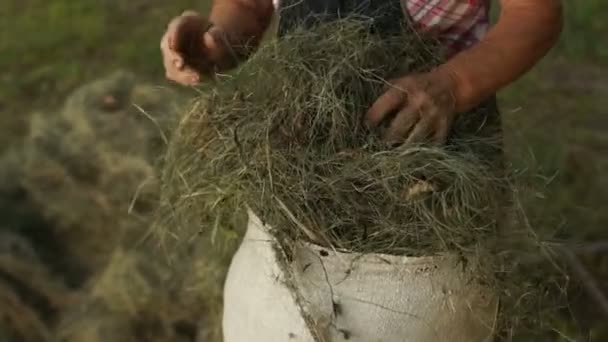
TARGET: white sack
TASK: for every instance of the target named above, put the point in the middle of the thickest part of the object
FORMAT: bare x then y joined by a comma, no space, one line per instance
376,298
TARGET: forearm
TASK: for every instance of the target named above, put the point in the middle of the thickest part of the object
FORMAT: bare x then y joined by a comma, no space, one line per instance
244,21
524,33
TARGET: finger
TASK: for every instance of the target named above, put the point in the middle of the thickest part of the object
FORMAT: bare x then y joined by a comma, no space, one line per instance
421,132
173,73
166,55
164,42
405,120
185,77
178,62
189,76
175,58
171,44
172,57
384,105
172,32
210,39
170,72
189,13
192,77
440,136
174,23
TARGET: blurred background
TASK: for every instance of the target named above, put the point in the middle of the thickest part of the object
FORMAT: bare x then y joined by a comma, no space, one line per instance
85,113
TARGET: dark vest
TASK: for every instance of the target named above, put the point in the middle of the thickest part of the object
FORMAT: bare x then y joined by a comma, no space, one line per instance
386,15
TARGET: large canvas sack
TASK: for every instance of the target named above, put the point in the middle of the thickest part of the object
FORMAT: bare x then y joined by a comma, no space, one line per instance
319,294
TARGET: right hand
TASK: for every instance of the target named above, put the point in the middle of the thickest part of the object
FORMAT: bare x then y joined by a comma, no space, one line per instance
189,49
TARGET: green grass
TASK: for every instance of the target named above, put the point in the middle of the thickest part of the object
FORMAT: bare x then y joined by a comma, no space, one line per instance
584,35
585,27
556,114
554,121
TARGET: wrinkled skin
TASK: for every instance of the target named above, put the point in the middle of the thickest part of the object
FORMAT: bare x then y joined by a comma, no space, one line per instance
188,26
423,106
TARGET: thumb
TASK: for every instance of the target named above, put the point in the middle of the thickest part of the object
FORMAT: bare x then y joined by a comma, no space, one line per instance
209,39
190,12
178,62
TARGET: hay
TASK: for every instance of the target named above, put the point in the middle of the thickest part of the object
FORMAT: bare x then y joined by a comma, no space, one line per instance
135,298
284,136
90,170
31,297
16,209
22,267
19,322
86,191
203,270
81,189
123,114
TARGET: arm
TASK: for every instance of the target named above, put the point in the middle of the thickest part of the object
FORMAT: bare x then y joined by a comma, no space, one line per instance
194,47
242,22
427,104
525,32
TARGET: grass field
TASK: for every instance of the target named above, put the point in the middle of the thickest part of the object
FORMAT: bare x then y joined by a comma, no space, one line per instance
556,113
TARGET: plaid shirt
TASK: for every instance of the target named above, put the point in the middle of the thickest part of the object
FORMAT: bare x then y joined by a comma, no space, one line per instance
457,24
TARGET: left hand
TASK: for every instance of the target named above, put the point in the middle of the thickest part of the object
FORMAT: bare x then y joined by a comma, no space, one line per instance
425,108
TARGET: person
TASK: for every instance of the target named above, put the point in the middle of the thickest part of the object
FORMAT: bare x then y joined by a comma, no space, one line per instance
480,59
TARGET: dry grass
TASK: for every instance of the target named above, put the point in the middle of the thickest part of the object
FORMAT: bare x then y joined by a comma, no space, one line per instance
283,135
298,154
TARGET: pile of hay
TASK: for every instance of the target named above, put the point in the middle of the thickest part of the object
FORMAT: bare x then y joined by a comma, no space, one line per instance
76,198
283,135
136,297
31,296
90,170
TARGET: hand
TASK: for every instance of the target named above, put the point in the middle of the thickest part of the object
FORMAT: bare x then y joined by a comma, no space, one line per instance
189,49
425,108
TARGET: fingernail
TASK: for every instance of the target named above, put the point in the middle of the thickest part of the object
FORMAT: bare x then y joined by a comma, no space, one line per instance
171,42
